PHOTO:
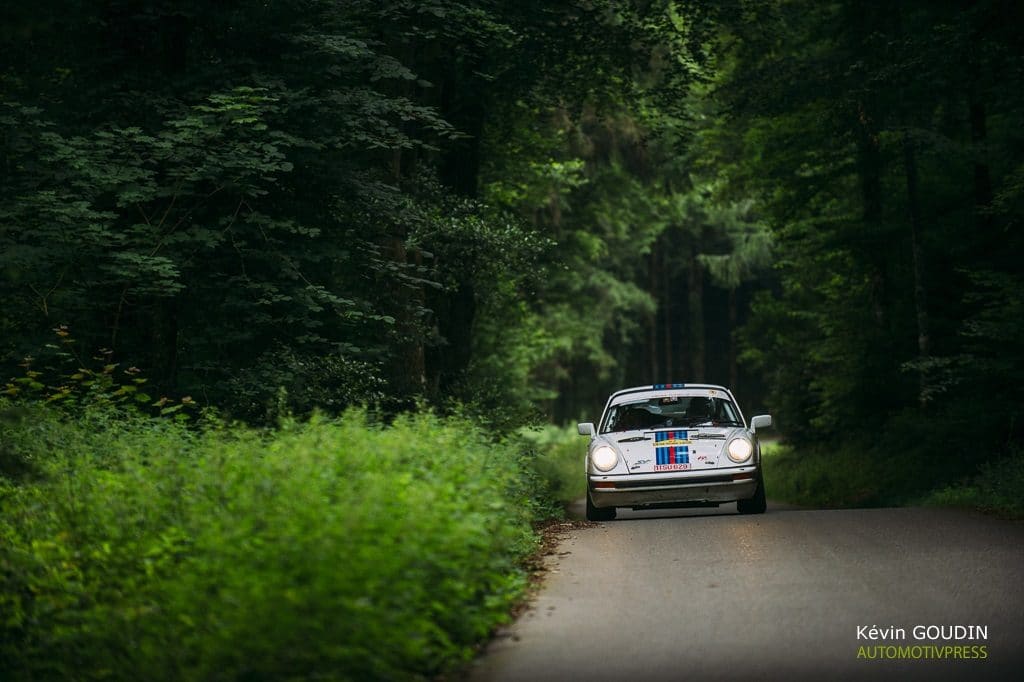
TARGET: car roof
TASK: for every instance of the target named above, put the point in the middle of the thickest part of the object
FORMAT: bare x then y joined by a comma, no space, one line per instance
666,387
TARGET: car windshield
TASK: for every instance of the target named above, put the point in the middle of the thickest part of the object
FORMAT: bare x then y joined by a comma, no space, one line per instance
668,411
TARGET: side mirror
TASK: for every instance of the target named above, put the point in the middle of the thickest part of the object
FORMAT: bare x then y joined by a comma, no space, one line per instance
761,421
585,429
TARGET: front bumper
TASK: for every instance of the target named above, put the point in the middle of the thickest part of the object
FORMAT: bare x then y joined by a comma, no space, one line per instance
638,490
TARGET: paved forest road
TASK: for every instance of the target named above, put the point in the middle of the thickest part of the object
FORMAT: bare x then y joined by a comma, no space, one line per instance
706,594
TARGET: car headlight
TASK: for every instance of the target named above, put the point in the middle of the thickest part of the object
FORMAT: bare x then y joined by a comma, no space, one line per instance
739,449
604,458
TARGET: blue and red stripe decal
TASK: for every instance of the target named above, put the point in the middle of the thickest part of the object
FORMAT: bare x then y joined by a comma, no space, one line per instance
670,452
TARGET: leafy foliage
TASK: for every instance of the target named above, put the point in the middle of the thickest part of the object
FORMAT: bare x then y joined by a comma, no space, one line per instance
330,549
254,185
881,159
558,462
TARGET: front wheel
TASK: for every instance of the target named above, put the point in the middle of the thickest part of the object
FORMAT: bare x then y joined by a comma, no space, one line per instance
756,504
598,513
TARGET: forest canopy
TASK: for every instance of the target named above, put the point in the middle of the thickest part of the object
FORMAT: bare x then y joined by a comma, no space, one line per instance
271,207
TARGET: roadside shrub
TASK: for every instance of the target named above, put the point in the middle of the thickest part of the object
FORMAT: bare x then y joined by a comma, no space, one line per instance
851,477
824,479
558,461
337,550
998,488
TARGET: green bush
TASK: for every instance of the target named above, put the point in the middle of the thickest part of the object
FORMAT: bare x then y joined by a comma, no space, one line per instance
846,477
866,477
558,462
997,489
337,550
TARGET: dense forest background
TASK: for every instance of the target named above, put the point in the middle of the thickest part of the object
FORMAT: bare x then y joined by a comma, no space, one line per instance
288,289
272,207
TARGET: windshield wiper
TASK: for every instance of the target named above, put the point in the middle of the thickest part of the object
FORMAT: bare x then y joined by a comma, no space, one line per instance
633,439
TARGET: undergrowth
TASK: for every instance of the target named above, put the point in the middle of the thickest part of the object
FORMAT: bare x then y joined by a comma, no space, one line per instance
558,462
867,477
134,548
997,489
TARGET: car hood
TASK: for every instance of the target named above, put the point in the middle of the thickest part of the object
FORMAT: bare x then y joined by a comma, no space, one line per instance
674,449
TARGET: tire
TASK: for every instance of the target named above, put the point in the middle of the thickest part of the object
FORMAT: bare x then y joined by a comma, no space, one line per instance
599,513
756,504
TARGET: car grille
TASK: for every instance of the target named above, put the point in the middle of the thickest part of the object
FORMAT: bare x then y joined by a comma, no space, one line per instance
695,480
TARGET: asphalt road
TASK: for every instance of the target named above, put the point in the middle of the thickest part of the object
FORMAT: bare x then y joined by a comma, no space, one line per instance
706,594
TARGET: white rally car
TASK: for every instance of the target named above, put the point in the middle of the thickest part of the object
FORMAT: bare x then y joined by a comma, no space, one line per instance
673,445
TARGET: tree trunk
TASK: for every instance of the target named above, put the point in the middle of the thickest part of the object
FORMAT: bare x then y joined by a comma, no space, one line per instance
733,318
865,21
916,238
652,318
406,366
695,300
462,105
869,169
979,134
667,304
918,257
